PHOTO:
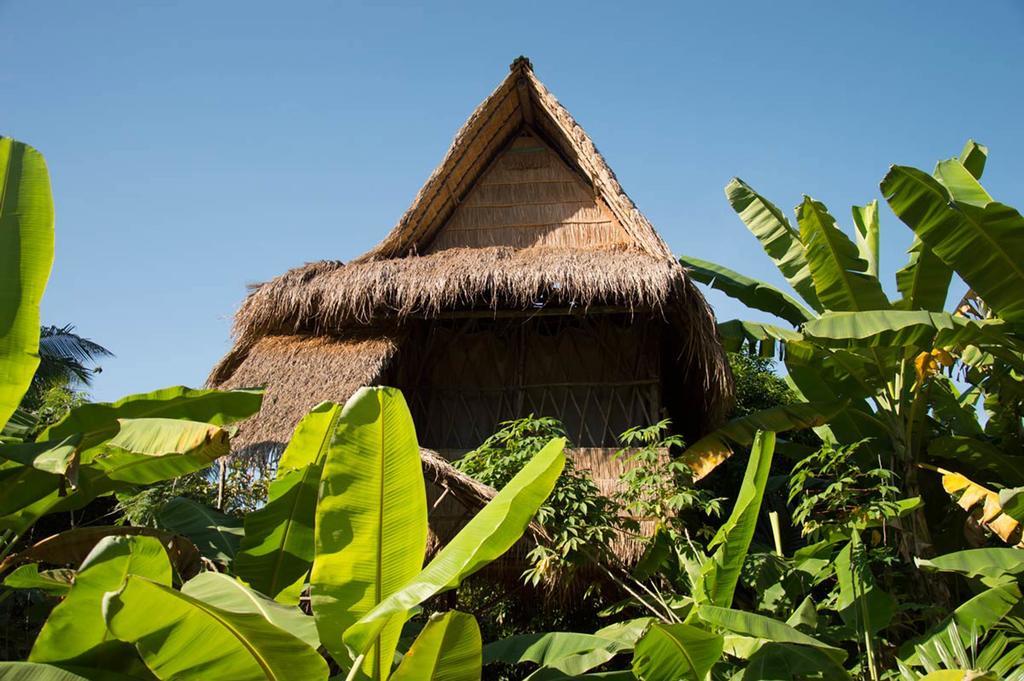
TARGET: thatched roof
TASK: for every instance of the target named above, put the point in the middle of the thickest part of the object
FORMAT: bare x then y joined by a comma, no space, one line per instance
523,214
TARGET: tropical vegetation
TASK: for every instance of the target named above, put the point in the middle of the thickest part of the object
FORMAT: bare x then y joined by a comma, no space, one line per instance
858,516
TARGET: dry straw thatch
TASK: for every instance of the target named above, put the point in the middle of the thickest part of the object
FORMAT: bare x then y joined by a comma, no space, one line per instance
522,217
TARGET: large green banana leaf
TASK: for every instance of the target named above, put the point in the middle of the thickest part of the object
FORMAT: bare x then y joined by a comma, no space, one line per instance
278,548
923,282
448,649
33,671
979,457
778,238
840,276
98,421
487,536
989,564
765,339
901,328
974,616
140,451
671,652
751,292
75,632
704,455
790,661
227,593
865,222
758,626
26,255
371,521
216,535
984,244
721,572
183,637
567,652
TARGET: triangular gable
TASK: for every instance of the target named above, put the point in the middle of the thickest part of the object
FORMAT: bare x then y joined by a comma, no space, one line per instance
520,107
529,196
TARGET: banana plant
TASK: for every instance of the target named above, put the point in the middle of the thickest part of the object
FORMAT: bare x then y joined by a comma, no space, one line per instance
840,336
365,524
699,630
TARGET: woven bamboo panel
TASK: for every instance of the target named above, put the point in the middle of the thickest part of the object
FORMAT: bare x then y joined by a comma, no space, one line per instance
530,197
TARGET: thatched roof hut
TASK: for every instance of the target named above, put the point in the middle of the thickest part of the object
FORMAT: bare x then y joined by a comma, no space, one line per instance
522,279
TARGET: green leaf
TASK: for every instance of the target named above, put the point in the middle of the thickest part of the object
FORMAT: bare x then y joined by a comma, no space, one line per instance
923,282
182,637
784,661
985,245
704,455
861,604
448,649
227,593
901,328
1012,502
988,564
865,222
568,652
980,456
75,632
487,536
751,292
840,276
150,450
721,571
759,626
278,547
778,238
215,535
99,420
33,671
974,616
764,339
670,652
973,157
371,521
26,254
29,577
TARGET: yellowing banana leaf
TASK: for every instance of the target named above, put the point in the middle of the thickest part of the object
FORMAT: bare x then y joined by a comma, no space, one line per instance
278,547
704,455
751,292
840,276
984,244
981,502
26,254
489,534
670,652
371,522
75,632
182,637
448,649
71,547
778,238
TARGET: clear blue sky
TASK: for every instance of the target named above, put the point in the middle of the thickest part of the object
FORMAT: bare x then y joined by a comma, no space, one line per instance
196,147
